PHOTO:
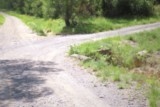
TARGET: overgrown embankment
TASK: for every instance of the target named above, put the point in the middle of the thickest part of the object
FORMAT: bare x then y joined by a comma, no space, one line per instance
133,58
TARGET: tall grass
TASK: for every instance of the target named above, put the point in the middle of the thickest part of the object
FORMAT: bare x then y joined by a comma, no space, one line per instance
120,58
2,19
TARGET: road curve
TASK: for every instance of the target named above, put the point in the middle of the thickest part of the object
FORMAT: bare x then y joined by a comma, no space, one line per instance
36,72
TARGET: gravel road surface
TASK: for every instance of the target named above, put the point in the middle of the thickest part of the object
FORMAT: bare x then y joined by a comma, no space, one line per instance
36,71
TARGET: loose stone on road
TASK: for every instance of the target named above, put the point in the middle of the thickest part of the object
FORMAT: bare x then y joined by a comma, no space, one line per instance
36,71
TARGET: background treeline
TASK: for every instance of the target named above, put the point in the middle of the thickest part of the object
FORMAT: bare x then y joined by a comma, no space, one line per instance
71,10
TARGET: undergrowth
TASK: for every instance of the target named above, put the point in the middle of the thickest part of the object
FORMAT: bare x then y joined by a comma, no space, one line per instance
114,58
84,25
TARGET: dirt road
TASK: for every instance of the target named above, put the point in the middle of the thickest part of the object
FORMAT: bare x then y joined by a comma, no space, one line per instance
36,71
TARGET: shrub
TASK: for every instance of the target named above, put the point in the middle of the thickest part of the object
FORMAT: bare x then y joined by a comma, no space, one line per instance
142,7
127,7
157,1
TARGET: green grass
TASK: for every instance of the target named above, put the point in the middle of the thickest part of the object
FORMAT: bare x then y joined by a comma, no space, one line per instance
40,25
85,25
99,24
119,58
2,19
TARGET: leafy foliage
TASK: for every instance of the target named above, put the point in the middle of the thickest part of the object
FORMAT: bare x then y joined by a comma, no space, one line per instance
127,7
73,10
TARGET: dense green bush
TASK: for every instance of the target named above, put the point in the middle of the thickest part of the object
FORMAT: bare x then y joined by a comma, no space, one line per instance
109,7
70,10
127,7
142,7
157,1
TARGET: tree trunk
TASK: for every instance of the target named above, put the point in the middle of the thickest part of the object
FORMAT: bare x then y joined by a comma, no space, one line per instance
67,18
67,14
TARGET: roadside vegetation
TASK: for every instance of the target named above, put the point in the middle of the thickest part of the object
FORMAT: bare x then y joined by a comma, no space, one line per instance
2,19
40,25
87,25
127,59
82,16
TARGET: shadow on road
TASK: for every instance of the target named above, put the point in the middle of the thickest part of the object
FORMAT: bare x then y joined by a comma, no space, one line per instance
23,79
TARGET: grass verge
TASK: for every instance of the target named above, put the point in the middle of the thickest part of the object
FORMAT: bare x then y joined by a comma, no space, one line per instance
85,25
40,25
2,19
126,59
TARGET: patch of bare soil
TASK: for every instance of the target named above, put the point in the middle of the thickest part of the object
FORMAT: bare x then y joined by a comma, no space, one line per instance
130,42
151,66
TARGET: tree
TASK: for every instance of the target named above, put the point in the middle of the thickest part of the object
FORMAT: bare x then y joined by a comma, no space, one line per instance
36,8
73,10
48,8
127,7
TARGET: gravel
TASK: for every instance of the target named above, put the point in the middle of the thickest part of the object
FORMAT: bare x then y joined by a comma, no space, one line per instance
37,72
